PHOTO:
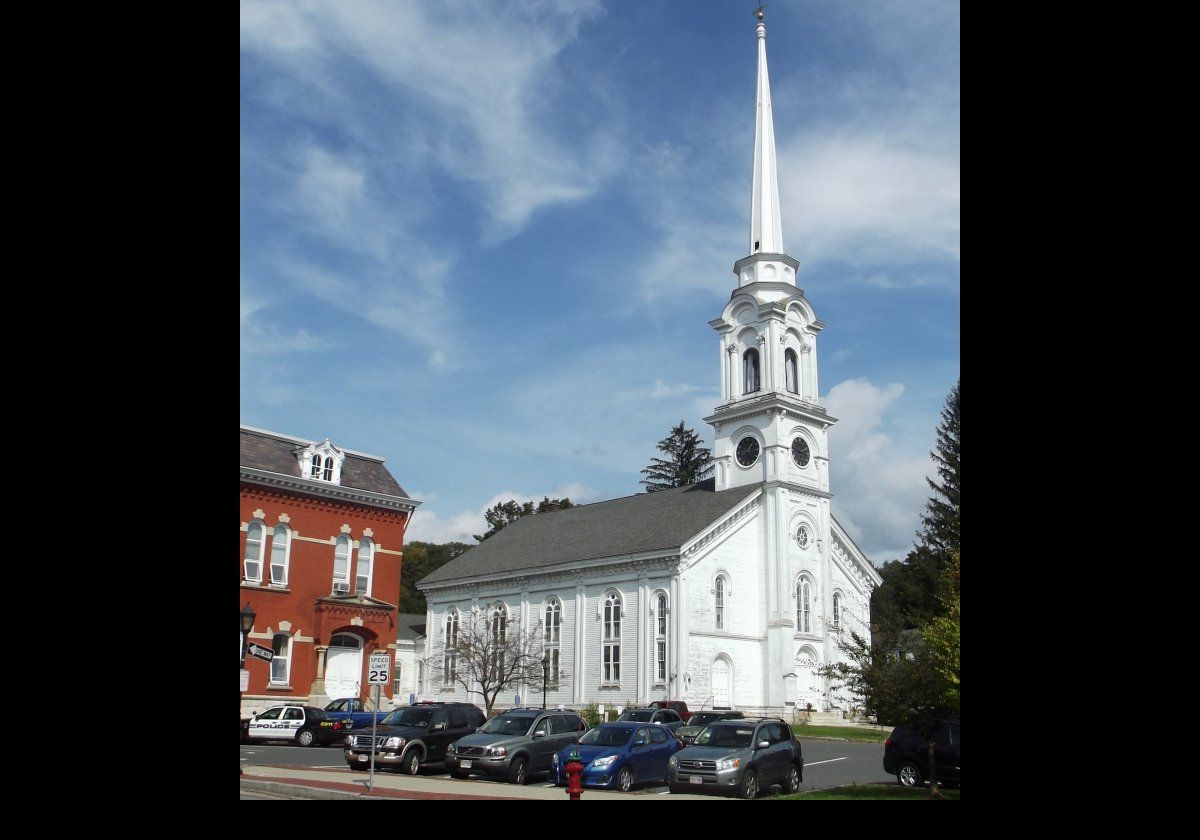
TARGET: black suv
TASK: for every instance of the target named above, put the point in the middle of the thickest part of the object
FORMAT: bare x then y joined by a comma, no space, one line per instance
906,754
413,735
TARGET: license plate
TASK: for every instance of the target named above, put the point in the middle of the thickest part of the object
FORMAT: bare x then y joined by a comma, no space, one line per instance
465,764
696,780
362,757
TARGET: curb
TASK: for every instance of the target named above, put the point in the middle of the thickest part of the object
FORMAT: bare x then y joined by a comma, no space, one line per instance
303,790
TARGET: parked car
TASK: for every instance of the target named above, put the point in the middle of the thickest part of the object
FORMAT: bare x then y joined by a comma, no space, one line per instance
303,725
620,755
679,706
353,714
740,758
412,736
667,717
906,754
515,744
688,732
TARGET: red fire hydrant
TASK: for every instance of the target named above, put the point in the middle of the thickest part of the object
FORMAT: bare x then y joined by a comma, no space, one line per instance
573,768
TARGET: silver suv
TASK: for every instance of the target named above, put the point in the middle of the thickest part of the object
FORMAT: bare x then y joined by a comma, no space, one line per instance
738,757
514,744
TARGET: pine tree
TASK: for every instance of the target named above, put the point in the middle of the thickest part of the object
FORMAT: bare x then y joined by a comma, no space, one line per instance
690,462
503,514
941,517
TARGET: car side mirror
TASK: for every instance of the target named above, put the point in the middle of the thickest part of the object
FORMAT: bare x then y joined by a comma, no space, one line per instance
762,745
640,742
541,733
438,726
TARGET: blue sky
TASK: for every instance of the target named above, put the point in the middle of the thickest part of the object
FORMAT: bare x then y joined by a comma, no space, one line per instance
484,240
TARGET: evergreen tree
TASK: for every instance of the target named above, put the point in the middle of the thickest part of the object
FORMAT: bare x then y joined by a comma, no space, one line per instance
503,514
421,559
690,462
941,512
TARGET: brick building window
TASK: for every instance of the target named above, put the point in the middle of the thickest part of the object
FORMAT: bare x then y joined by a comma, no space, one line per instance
254,547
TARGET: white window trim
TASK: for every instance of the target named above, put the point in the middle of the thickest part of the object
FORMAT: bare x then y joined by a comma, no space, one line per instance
662,609
722,590
801,602
449,654
262,550
287,554
553,606
367,541
287,657
607,642
342,539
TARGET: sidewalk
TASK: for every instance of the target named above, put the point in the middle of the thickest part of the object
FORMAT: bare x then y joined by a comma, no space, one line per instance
347,784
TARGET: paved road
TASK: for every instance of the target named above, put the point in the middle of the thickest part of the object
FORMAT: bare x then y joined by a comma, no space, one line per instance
827,764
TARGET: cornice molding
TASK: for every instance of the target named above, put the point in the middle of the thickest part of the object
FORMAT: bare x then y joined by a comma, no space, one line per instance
790,405
330,491
717,529
631,565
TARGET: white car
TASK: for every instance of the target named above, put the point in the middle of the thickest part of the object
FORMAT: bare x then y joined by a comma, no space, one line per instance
303,725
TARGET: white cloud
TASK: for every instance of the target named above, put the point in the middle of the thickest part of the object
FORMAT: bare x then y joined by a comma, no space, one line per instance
878,487
428,526
864,199
480,84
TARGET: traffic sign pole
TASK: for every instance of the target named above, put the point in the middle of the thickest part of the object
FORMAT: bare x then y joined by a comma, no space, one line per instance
379,672
374,717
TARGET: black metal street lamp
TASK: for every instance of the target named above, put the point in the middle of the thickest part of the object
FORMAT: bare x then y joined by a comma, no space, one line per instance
248,615
545,676
247,624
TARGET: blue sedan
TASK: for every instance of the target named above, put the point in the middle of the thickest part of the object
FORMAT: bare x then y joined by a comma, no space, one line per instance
620,755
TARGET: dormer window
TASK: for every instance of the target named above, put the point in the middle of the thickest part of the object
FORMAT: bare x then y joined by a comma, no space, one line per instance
321,462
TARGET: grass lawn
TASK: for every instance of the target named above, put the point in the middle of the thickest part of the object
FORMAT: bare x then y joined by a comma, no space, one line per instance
848,733
871,792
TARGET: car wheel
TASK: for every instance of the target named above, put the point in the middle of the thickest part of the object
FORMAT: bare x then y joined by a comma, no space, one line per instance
305,738
792,783
625,779
909,775
749,785
518,772
412,762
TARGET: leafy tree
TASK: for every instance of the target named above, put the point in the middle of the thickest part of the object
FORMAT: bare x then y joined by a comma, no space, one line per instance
900,684
491,657
689,461
941,512
941,635
421,559
503,514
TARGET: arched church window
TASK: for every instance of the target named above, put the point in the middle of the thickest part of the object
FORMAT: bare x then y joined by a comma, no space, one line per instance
720,603
612,638
752,380
790,368
837,609
803,618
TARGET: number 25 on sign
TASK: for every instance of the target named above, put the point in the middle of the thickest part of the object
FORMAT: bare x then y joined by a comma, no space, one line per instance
380,669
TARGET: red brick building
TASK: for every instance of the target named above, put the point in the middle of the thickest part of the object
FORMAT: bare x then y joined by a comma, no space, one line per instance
322,529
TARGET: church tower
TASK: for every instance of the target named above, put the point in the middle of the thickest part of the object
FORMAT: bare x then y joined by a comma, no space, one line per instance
770,429
769,425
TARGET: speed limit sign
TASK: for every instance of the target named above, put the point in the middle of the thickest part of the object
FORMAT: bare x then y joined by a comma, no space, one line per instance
380,669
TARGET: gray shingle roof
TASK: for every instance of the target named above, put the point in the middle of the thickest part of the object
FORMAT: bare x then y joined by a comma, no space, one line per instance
410,626
646,522
262,450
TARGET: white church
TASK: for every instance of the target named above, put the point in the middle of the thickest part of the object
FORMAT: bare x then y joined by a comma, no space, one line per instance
729,593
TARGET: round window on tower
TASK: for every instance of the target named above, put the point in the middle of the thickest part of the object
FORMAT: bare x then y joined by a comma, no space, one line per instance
800,453
803,537
747,451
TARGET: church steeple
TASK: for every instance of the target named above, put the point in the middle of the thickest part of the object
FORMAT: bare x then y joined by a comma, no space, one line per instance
766,230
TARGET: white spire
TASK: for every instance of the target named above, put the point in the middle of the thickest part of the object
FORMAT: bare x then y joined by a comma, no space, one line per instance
766,230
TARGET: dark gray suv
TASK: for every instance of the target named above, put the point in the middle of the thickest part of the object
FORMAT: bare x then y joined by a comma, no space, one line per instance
740,758
515,744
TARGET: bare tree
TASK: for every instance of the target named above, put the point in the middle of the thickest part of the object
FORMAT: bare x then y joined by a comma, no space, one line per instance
480,651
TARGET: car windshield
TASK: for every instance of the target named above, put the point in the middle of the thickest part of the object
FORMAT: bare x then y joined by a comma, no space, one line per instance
508,725
614,736
725,736
408,717
640,716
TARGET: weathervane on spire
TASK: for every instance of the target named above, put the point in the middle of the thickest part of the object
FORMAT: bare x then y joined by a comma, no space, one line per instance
759,11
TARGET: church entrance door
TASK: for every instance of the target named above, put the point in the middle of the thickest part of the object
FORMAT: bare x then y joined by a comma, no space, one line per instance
721,687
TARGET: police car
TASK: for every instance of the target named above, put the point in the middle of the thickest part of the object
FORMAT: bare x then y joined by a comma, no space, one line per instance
303,725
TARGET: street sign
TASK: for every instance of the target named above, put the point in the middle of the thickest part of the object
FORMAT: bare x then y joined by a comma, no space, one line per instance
261,652
380,669
245,680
